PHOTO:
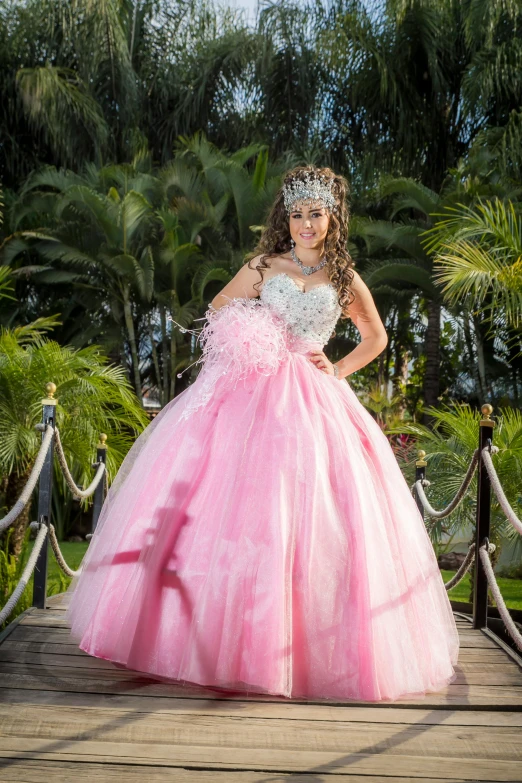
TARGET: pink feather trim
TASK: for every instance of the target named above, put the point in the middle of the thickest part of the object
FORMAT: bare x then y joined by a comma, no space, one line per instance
238,339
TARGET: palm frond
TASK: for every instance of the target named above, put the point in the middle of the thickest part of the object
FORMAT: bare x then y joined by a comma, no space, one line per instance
54,97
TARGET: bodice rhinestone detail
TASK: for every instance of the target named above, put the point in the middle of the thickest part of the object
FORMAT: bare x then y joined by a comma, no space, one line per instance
309,315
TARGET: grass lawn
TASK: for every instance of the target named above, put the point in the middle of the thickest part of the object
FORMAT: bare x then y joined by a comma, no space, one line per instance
72,552
511,589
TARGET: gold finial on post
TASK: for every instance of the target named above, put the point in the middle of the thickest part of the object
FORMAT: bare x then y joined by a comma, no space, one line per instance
50,388
102,443
487,421
420,462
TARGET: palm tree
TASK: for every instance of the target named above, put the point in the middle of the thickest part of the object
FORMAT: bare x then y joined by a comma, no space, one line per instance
6,278
93,397
99,225
420,220
234,188
97,79
6,283
197,65
149,241
178,259
412,83
216,199
410,267
291,77
478,252
403,87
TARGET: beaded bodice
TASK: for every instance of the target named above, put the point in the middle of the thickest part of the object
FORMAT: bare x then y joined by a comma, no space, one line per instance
309,315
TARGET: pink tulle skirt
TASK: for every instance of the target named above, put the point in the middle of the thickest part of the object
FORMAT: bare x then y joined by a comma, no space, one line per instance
260,536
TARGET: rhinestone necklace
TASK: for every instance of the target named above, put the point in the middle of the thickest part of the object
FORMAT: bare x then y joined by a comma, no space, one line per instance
306,270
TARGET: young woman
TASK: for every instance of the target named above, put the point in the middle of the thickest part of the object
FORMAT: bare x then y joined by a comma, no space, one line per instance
259,535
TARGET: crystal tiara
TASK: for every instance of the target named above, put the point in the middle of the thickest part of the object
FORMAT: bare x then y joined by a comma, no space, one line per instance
309,190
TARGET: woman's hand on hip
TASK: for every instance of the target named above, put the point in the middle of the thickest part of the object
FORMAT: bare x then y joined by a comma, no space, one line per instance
322,362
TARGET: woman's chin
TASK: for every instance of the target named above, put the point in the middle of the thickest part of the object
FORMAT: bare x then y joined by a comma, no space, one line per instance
307,244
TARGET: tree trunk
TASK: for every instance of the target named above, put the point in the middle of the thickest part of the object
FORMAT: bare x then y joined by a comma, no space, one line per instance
15,484
471,352
129,323
155,361
401,359
432,353
380,361
387,362
173,352
513,356
400,377
481,364
164,356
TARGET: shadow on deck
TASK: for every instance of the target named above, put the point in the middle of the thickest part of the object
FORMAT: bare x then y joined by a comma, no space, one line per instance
68,717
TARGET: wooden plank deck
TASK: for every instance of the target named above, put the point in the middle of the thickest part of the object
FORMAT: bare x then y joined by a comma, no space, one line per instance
65,716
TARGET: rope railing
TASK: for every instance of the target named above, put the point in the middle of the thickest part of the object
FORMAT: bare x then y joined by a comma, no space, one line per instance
59,555
457,500
497,595
484,577
42,472
27,491
463,570
26,574
499,492
77,492
17,593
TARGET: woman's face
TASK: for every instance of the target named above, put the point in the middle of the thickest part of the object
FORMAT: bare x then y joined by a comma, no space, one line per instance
309,226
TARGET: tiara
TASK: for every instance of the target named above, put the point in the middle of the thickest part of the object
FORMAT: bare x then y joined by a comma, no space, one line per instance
308,190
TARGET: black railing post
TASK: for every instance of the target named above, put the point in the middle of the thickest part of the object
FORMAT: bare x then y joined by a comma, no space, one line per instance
480,586
45,486
99,492
420,475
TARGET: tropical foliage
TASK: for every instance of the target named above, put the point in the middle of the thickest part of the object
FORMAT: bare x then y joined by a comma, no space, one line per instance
94,397
404,85
142,142
450,446
479,258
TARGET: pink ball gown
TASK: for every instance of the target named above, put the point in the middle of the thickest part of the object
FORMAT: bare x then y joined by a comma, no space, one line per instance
260,536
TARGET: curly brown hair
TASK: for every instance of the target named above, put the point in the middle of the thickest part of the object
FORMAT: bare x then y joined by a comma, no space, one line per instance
275,239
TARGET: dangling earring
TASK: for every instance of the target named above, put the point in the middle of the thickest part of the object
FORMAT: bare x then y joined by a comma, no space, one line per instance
292,243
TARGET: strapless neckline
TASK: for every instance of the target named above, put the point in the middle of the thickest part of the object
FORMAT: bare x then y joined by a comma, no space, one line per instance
309,315
309,291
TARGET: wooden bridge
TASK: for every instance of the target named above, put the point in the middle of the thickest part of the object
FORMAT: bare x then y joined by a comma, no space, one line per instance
66,716
69,717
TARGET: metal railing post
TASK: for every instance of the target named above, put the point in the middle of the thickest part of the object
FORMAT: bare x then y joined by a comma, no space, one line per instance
480,586
45,486
99,492
420,475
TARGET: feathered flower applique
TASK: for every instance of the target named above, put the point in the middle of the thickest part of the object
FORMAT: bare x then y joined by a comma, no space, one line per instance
238,339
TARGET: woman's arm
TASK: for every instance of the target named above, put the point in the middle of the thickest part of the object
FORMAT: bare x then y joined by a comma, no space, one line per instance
240,287
366,318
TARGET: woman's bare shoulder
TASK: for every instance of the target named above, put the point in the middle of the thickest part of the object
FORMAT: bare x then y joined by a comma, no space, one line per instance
249,265
362,305
357,281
